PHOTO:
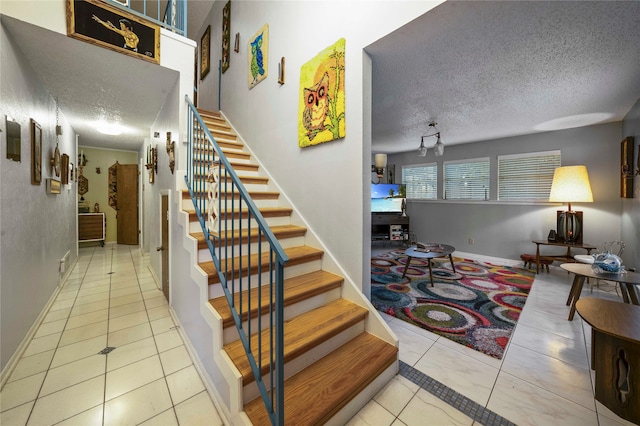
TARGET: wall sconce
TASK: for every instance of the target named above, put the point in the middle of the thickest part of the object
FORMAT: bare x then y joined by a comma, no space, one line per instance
438,148
626,167
379,164
570,184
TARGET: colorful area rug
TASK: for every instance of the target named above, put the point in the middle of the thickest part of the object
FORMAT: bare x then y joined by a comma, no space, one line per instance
478,305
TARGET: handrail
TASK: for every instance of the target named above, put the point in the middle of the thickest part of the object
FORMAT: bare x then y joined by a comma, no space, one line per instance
174,18
239,255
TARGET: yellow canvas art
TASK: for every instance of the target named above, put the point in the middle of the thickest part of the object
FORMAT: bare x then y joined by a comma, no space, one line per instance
322,102
258,51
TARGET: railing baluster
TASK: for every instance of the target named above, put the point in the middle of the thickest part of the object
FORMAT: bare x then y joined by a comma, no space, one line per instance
236,197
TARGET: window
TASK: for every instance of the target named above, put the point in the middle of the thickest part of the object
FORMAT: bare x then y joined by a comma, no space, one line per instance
526,176
421,181
466,180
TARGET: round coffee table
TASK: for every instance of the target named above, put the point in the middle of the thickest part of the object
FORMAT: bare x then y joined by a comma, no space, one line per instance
431,251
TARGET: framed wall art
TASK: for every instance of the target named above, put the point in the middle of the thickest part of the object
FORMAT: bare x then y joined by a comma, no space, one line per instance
321,105
14,140
99,23
64,169
205,52
258,51
53,186
226,35
36,153
626,167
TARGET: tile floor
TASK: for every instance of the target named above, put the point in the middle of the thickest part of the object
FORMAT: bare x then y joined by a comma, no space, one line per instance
111,300
67,375
543,379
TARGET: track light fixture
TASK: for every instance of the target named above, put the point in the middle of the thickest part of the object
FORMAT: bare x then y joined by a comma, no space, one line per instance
438,148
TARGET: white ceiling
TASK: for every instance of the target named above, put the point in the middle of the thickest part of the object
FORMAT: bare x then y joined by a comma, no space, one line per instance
491,69
481,69
109,85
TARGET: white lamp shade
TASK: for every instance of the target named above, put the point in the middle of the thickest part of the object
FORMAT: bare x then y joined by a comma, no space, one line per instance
381,161
571,184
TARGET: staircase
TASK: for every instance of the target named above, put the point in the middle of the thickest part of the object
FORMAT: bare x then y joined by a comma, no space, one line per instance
331,359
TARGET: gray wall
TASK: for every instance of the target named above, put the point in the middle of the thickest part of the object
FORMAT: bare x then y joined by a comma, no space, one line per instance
631,206
506,229
36,229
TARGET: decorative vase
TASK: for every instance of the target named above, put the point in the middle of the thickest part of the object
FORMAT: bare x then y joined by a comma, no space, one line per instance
607,263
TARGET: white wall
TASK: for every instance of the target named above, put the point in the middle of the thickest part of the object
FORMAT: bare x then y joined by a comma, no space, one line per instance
631,206
36,229
506,229
325,182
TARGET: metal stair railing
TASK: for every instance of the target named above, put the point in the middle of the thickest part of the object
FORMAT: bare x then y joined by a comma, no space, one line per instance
173,18
219,197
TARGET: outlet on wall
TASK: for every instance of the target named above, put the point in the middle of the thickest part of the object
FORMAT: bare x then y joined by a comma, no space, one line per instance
471,241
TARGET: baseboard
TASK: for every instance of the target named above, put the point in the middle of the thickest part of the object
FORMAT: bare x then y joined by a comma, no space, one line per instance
210,387
24,344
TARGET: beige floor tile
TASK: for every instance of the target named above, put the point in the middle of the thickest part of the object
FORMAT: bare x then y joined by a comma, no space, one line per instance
76,335
129,335
166,418
86,319
124,300
133,352
16,416
127,321
175,359
183,384
91,417
30,365
139,405
157,313
127,309
132,376
73,373
425,408
57,315
168,340
79,350
43,344
372,414
198,410
68,402
89,307
162,325
21,391
395,396
156,302
48,328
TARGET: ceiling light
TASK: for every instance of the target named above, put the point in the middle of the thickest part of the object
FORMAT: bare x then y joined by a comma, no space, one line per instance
112,129
438,148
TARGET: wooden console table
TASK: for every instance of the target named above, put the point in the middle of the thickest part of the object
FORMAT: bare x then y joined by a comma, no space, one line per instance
615,354
565,257
91,227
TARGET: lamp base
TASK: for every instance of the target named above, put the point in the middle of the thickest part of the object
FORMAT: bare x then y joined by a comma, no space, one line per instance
569,226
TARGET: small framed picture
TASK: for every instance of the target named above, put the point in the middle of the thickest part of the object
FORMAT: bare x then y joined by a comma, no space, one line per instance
205,49
36,153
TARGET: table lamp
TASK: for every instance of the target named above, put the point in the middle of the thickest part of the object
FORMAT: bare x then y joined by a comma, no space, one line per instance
570,185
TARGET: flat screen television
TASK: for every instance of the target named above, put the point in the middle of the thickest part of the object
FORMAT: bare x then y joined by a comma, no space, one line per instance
387,197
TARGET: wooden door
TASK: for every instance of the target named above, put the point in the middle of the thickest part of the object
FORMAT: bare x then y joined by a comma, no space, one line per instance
165,246
127,216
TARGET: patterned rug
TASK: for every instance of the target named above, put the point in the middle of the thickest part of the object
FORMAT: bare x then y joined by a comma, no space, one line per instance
478,305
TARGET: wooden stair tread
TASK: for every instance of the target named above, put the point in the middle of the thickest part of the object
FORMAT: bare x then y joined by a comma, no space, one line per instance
297,288
256,195
301,334
244,213
317,393
255,180
297,255
280,232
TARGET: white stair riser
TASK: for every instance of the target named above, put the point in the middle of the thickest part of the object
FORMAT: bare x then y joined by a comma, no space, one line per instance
215,290
194,226
230,334
187,204
296,365
204,255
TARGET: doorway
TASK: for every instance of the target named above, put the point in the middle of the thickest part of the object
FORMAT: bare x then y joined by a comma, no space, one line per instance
164,247
127,215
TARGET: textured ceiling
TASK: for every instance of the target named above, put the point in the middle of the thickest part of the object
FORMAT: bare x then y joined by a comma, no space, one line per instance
486,70
108,85
481,69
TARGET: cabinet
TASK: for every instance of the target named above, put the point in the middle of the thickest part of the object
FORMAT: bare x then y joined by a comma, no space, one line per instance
389,227
91,227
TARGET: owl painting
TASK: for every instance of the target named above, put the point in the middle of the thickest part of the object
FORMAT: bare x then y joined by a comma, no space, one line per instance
321,107
316,106
257,50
